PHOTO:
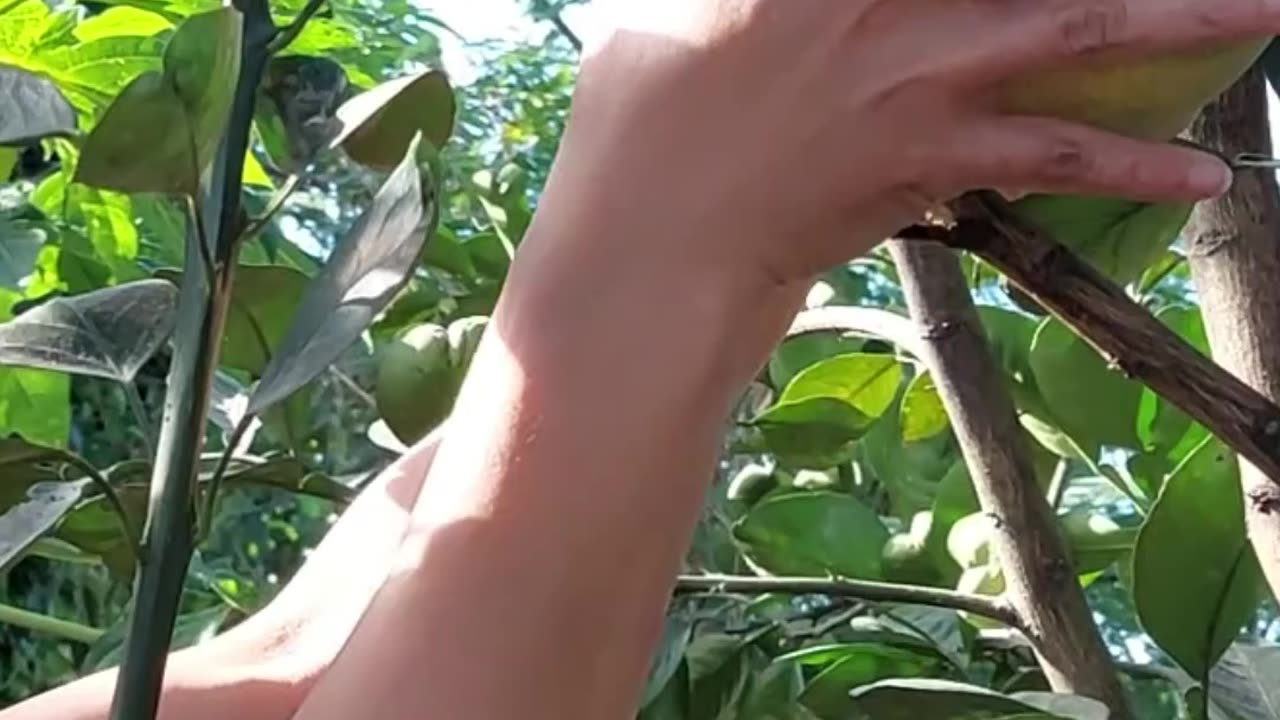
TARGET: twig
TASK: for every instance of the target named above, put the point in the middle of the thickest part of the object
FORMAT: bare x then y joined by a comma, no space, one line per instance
274,206
65,629
286,35
215,480
867,322
554,17
349,383
994,608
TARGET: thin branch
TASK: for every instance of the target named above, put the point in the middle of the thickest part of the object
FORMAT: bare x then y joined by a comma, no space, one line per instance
1121,330
37,622
557,20
219,472
349,383
286,35
994,608
274,206
866,322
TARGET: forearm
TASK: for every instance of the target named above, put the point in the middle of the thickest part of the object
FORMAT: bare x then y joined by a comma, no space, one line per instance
262,668
563,498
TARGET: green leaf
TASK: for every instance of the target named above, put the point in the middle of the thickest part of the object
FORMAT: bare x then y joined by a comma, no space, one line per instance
855,665
916,699
813,533
143,143
91,73
107,333
774,694
1118,237
827,407
923,413
676,634
672,703
798,353
264,299
202,64
119,22
378,125
94,527
31,108
368,267
35,404
1195,578
718,672
1092,403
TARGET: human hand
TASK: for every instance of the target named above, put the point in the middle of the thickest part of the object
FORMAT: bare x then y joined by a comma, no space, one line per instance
772,139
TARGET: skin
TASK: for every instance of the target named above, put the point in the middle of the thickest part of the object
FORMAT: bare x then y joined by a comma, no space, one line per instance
720,154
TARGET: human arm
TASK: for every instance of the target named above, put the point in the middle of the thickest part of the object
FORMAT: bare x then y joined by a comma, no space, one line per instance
713,165
263,667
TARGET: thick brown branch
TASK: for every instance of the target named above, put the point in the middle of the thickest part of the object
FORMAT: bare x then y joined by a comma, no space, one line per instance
989,607
1040,581
1234,245
1118,328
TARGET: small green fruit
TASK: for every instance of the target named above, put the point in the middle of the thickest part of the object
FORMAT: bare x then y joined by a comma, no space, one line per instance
416,383
464,339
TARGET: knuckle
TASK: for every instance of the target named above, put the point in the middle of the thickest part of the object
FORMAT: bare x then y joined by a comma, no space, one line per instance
1065,159
1086,29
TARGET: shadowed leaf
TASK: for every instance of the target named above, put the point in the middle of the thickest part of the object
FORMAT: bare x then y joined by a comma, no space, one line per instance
368,267
107,333
31,108
378,125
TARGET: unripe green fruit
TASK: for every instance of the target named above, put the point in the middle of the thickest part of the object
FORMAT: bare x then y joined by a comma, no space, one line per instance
464,339
416,383
1154,98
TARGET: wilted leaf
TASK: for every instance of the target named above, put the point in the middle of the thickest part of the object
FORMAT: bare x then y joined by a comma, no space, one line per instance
368,267
813,533
31,108
378,125
1195,578
107,333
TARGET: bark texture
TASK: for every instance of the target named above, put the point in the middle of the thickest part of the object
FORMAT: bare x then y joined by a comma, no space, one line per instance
1234,253
1040,581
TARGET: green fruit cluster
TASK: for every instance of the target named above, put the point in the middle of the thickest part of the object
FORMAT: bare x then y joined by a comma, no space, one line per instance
420,373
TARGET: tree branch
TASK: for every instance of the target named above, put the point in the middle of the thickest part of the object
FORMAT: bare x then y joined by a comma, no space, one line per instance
1128,336
1039,578
1235,261
290,32
994,608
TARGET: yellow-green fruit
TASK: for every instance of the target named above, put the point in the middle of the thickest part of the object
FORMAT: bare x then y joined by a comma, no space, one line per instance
464,339
1153,99
906,557
416,383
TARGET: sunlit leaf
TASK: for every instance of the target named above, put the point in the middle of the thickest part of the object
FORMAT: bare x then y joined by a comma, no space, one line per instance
923,413
33,495
813,533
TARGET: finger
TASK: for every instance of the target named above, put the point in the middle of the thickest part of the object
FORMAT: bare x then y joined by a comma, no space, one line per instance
1035,154
1018,36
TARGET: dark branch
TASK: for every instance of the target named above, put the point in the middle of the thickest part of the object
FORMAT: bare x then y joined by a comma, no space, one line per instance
1118,328
290,32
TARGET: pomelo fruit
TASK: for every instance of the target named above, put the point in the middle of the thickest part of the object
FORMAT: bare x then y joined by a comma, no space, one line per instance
1152,99
416,382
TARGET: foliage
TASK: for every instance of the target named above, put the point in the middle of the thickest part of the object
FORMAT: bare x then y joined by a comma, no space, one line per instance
378,236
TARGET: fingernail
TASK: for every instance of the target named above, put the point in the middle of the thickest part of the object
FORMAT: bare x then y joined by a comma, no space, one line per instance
1210,177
